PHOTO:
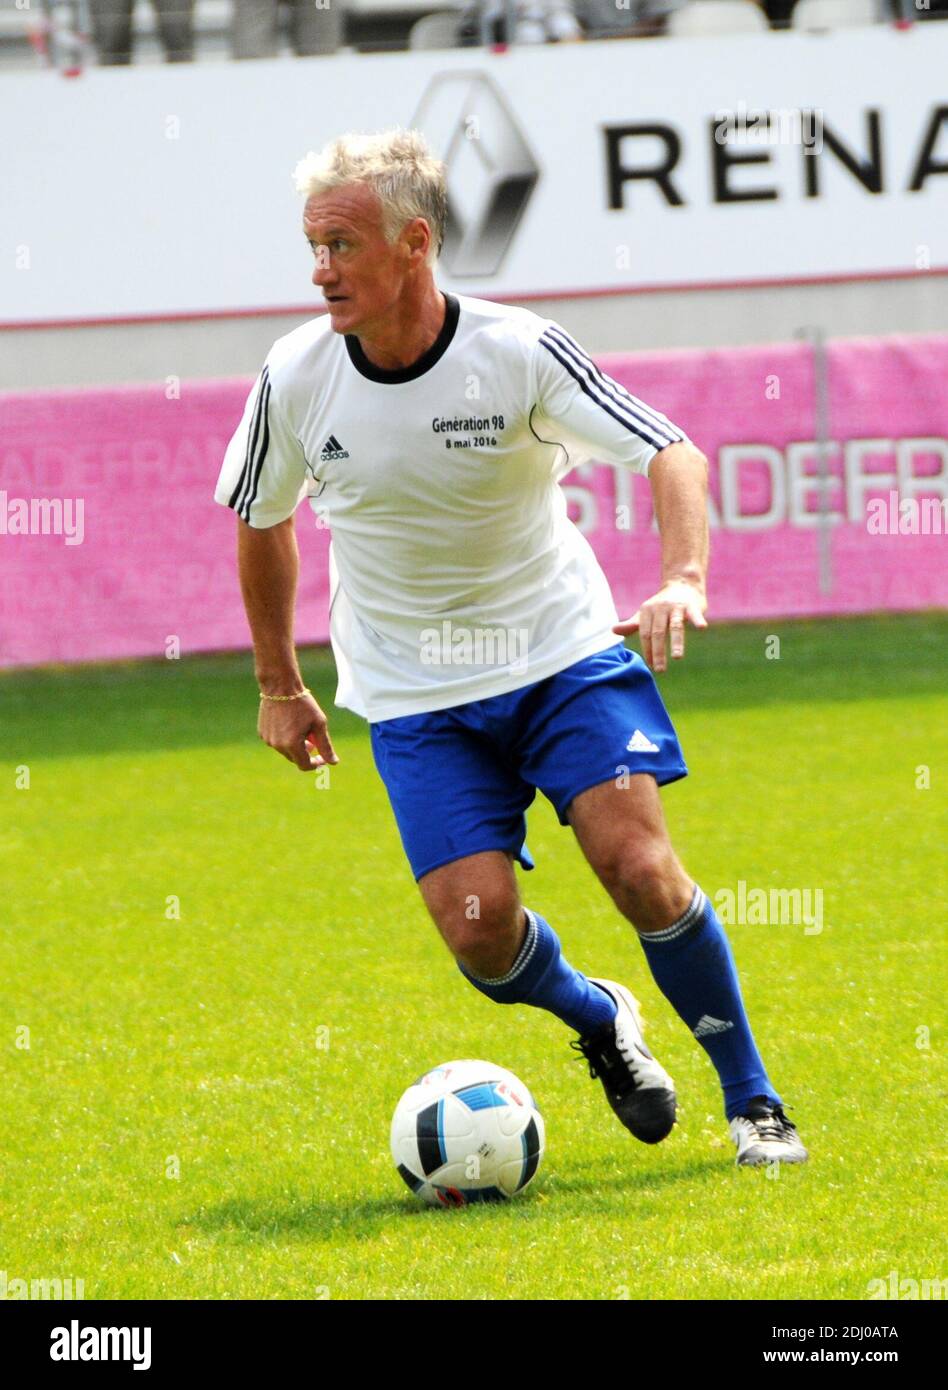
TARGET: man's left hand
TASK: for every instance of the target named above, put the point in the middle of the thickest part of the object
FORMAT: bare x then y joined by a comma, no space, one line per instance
676,603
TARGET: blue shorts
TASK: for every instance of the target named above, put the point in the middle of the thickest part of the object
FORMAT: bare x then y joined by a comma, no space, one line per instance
460,779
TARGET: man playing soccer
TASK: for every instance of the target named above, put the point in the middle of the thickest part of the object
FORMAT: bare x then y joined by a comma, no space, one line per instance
431,431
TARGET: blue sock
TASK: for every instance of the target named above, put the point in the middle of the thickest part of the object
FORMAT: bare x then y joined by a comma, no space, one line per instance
693,966
540,976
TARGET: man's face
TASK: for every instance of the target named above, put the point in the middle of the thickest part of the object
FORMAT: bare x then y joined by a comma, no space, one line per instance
360,274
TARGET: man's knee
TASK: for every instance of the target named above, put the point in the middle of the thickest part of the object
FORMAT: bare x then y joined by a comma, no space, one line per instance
484,923
476,908
636,864
644,877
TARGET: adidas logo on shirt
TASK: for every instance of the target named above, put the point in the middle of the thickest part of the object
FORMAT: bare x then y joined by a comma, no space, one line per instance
638,743
332,449
708,1025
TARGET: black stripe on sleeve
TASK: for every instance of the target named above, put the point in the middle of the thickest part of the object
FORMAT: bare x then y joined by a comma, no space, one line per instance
615,388
260,456
253,433
609,395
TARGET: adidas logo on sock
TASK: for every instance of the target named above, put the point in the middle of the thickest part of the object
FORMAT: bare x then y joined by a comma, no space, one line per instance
638,743
708,1025
332,449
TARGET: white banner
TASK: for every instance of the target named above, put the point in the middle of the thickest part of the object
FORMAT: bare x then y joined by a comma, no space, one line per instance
572,169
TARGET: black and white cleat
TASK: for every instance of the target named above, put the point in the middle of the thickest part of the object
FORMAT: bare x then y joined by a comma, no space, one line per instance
637,1087
763,1134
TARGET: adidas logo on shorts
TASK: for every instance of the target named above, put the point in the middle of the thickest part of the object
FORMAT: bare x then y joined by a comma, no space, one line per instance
332,449
638,743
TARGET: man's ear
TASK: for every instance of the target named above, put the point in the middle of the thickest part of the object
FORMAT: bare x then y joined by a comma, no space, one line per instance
419,237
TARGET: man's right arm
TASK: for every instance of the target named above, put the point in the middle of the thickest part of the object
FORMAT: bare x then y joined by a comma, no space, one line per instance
263,480
268,564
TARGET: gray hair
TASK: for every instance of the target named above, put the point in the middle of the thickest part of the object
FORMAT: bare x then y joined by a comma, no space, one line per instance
398,165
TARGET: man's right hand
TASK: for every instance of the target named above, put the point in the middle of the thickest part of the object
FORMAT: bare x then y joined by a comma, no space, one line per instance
299,730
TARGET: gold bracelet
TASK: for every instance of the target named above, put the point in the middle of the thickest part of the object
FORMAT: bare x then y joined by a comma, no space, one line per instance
281,699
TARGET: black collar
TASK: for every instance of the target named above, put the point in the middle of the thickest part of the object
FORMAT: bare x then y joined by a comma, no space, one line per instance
425,362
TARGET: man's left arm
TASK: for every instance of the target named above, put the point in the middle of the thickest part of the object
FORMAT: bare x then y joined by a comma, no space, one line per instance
678,475
588,407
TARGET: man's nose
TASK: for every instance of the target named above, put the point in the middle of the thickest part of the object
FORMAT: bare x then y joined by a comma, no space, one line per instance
323,272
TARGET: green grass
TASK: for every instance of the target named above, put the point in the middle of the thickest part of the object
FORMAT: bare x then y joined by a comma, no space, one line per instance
157,1042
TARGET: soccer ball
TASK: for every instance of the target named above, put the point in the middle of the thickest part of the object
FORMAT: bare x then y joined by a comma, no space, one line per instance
467,1132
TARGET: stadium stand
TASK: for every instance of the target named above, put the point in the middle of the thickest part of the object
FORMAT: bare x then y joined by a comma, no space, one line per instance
702,17
835,14
435,31
386,25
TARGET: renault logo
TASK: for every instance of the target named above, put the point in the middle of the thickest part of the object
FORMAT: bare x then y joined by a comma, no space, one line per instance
491,170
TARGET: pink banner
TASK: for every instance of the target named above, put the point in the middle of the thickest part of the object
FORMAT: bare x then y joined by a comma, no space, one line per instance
111,545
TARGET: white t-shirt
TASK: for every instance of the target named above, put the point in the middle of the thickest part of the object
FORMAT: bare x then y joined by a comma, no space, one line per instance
455,572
